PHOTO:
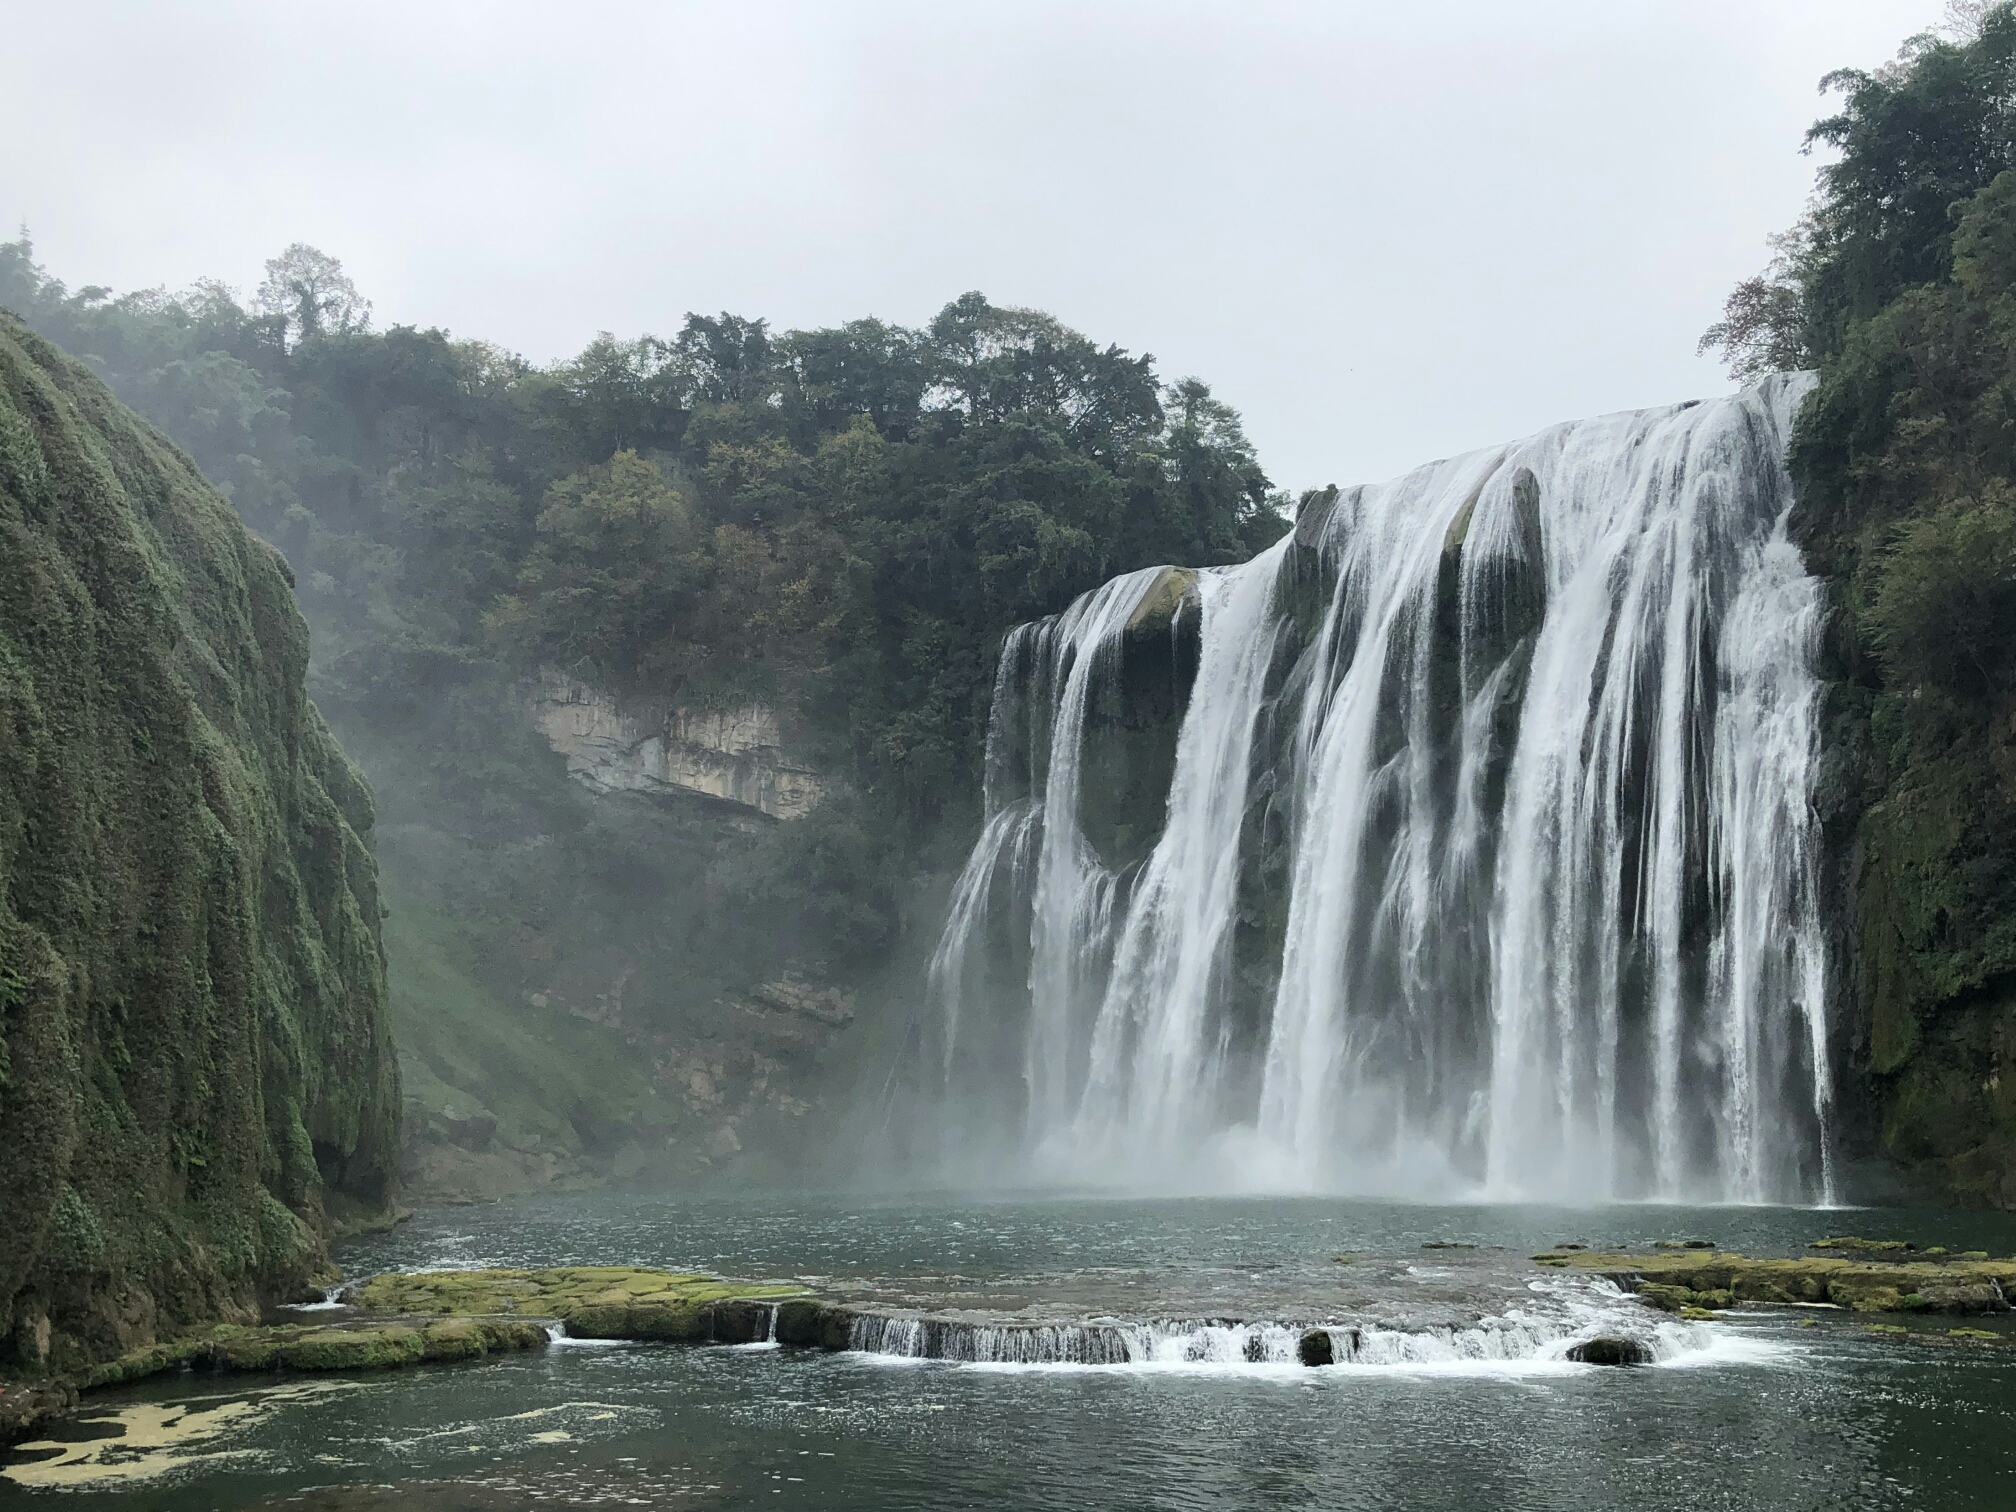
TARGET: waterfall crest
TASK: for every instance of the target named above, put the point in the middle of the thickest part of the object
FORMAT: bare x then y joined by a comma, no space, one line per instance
1461,843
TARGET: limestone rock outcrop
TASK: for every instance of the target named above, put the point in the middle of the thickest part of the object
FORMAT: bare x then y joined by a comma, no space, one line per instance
737,755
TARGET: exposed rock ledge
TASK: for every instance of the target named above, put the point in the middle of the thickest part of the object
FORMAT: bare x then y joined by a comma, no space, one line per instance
736,755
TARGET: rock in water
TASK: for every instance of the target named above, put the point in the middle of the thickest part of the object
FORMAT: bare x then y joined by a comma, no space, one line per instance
1317,1348
196,1077
1610,1352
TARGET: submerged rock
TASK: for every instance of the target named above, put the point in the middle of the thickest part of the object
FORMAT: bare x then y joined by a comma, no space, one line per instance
26,1405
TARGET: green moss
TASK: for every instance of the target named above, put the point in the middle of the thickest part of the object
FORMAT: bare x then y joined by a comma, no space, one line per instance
1910,1283
193,1037
344,1346
140,1363
595,1302
353,1349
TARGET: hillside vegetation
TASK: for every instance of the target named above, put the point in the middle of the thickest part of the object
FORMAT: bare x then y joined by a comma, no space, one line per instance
835,524
196,1079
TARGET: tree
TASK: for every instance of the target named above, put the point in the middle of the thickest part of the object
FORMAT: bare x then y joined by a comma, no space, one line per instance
307,294
725,360
24,287
609,572
1915,139
1763,324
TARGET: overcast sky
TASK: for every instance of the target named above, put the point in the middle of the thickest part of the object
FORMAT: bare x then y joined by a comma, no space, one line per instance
1385,231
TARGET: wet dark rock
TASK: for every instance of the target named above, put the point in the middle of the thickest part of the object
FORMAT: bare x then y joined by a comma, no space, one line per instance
26,1405
739,1320
813,1324
1608,1351
1317,1348
1964,1297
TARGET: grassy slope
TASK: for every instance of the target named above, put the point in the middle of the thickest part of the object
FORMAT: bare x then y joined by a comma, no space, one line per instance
500,1094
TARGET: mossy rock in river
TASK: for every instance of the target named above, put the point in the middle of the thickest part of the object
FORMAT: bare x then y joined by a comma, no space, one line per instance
594,1301
1684,1299
331,1346
814,1324
1673,1281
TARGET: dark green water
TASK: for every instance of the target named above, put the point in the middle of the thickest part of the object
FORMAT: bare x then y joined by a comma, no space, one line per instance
1765,1413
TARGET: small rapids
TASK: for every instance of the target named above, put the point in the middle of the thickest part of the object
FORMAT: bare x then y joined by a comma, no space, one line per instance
1540,1336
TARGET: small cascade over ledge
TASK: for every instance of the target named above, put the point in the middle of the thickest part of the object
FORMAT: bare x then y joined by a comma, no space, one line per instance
1459,844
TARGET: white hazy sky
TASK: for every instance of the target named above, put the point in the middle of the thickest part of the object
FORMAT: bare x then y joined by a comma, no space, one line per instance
1386,232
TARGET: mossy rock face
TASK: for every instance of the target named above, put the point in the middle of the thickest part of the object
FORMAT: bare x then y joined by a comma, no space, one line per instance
1683,1299
194,1054
353,1349
472,1338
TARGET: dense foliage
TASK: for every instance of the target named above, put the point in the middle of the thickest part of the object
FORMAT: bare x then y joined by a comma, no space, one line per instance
1900,286
838,523
845,519
195,1064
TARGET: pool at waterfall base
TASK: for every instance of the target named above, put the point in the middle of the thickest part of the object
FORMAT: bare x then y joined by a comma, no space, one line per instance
1090,1352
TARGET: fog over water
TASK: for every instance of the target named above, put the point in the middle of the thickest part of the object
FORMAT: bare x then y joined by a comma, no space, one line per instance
1386,233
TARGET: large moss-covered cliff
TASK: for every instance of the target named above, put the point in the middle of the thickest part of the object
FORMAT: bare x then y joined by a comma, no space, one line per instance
196,1078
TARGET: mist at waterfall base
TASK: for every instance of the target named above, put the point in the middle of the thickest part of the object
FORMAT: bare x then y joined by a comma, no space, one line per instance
1461,845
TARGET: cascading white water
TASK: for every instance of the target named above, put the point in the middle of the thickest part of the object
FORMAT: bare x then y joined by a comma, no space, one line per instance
1155,1044
1486,860
1540,1327
1074,892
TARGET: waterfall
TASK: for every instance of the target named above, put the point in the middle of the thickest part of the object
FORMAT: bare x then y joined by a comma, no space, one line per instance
1460,843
